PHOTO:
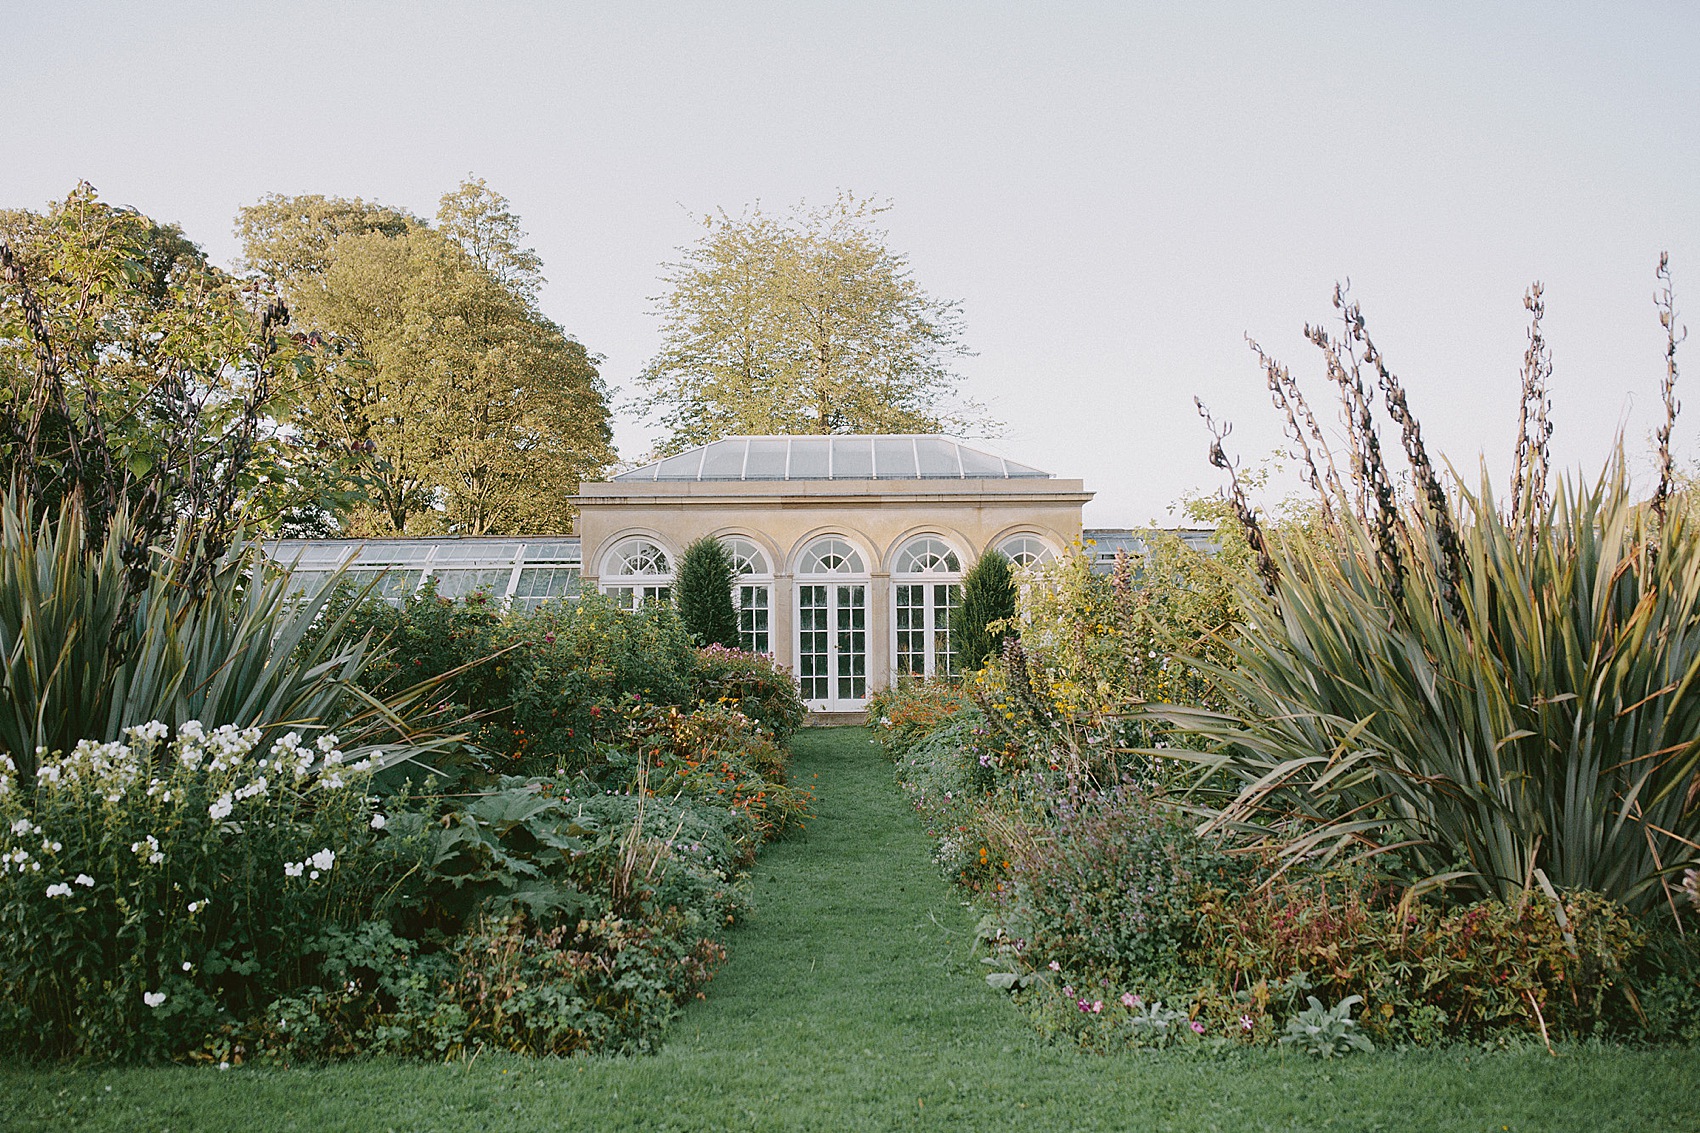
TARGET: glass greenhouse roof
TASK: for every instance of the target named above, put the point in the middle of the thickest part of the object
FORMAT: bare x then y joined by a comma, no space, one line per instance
889,457
524,572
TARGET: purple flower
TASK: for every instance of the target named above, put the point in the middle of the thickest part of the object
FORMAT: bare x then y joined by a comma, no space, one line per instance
1245,1022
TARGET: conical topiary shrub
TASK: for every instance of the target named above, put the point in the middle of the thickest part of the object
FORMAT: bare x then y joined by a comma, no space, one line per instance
706,575
988,595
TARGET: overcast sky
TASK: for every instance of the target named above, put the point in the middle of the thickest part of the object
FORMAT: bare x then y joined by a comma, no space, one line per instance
1116,192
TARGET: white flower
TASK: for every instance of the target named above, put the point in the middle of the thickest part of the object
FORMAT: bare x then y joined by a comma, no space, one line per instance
85,881
188,967
293,869
197,906
326,742
153,998
21,827
313,876
224,1066
152,730
378,821
192,730
324,859
221,808
56,847
60,890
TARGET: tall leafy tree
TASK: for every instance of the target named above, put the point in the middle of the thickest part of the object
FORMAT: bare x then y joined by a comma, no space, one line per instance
988,596
706,576
803,323
466,408
141,379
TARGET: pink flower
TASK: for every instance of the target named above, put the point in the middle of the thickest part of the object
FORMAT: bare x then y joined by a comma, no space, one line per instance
1068,990
1197,1027
1054,966
1130,1000
1097,1006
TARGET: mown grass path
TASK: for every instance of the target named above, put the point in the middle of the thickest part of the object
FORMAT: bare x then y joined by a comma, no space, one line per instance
852,1001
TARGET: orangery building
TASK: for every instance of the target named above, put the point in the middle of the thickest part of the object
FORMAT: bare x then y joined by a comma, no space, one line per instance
850,550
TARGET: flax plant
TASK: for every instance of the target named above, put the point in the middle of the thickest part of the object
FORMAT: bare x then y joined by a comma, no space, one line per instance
1484,698
85,655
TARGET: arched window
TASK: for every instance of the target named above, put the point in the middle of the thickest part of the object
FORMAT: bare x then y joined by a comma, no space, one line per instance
831,556
926,593
637,571
1026,550
927,555
832,625
752,594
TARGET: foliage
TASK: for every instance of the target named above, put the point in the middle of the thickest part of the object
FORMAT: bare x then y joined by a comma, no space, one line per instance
1428,973
704,589
1542,726
1108,889
807,323
857,963
988,596
545,686
1326,1032
138,376
155,886
753,683
908,711
85,657
714,753
1476,696
459,403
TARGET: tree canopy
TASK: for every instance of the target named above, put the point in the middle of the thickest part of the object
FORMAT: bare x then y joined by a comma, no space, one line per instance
140,379
802,323
458,403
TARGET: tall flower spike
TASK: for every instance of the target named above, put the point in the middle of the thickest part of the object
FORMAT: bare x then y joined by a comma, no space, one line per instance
1666,300
1266,568
1534,429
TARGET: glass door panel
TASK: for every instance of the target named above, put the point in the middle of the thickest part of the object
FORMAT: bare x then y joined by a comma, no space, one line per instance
752,619
852,643
813,643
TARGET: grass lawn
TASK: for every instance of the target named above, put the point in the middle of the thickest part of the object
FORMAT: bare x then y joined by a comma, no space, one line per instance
852,1001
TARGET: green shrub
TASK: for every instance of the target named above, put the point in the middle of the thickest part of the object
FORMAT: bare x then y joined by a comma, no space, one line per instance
1108,890
543,688
753,683
706,577
988,596
601,985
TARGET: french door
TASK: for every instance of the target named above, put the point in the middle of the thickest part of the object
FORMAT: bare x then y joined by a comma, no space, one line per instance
922,623
832,644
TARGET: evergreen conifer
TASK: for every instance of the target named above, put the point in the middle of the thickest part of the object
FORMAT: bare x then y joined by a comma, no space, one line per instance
988,594
706,577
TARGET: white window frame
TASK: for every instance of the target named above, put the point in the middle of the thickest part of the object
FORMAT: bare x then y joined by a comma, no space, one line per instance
752,593
835,564
928,563
635,570
1044,554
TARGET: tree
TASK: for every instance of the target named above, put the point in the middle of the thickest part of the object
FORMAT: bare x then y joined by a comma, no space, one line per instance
286,239
807,323
988,595
142,380
706,576
464,407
